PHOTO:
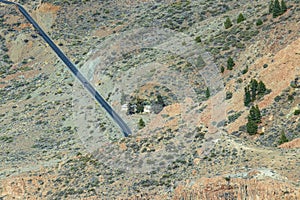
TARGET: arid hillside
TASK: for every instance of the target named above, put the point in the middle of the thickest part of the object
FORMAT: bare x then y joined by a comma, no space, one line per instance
210,90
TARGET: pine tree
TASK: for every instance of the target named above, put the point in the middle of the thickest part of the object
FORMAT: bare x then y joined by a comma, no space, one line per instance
276,9
230,63
240,18
160,100
207,93
259,22
283,7
227,23
141,123
271,7
247,97
253,87
261,88
257,114
254,114
222,69
251,127
253,119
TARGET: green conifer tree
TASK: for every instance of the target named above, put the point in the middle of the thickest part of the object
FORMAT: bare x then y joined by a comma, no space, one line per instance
230,63
222,69
254,114
259,22
207,93
257,114
141,123
247,97
283,7
253,87
227,23
271,7
240,18
261,89
276,9
251,127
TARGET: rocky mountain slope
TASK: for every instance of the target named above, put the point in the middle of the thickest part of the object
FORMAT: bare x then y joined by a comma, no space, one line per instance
159,65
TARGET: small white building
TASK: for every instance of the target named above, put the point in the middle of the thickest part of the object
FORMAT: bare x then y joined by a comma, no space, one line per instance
124,107
147,109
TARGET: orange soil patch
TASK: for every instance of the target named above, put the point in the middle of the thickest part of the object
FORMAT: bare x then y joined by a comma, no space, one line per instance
106,31
23,26
16,187
236,188
27,75
214,112
123,146
159,122
172,110
11,19
47,7
292,144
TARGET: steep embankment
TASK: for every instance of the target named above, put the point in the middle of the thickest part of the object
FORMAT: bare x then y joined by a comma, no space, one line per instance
282,69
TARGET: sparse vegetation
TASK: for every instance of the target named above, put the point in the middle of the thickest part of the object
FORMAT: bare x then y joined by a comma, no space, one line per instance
7,139
163,78
283,138
234,188
234,117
